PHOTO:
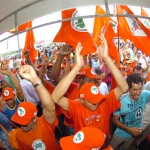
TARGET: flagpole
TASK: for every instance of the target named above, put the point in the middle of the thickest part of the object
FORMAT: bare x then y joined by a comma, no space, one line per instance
17,35
76,18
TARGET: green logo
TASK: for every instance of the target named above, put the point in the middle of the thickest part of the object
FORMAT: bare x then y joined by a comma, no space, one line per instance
78,24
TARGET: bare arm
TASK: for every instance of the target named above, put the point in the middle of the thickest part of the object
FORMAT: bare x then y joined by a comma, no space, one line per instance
133,131
29,73
6,70
63,85
121,82
64,50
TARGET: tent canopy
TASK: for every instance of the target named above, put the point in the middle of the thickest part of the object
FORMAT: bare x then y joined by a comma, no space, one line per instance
16,12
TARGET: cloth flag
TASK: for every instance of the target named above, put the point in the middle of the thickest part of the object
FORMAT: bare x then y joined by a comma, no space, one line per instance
74,31
105,26
29,43
132,29
146,22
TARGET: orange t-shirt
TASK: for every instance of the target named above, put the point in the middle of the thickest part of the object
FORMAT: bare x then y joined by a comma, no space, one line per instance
83,117
73,91
42,137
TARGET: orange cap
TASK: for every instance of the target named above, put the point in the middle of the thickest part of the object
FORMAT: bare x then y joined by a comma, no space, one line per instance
86,139
89,72
25,112
8,94
90,92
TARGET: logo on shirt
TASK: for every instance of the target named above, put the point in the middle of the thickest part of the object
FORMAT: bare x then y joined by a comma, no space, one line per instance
38,145
92,119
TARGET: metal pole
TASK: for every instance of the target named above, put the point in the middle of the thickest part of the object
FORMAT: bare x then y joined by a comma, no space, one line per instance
19,50
75,18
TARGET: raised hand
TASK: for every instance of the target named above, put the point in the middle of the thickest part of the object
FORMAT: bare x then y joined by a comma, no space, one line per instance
26,53
79,60
4,68
104,47
28,72
65,50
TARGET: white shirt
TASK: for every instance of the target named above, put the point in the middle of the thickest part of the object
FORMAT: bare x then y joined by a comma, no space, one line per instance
29,91
103,89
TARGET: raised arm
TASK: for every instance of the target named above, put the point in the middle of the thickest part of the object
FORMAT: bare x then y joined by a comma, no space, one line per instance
63,85
121,82
4,69
64,50
29,73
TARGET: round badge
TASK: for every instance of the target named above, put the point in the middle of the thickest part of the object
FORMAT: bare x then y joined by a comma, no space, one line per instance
38,145
21,111
94,90
78,24
6,93
93,71
78,137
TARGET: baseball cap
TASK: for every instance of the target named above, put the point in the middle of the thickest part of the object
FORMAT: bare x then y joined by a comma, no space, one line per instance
25,112
8,94
87,138
17,64
89,72
90,92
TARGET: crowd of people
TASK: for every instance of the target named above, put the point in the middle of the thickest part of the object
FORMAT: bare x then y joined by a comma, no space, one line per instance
69,101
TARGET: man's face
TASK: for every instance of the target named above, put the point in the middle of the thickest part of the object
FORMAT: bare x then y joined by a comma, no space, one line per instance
89,105
135,91
10,103
30,125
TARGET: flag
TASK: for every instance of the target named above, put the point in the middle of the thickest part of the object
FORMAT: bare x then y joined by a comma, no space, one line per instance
74,31
23,26
146,22
19,28
99,24
105,26
29,43
132,29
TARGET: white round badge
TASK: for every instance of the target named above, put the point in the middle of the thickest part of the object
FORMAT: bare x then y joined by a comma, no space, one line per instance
78,137
6,93
94,90
21,111
93,71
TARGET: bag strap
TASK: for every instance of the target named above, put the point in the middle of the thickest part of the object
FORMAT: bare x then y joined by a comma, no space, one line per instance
3,128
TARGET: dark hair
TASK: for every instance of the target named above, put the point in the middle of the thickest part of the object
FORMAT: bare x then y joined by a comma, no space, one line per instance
98,71
134,78
137,68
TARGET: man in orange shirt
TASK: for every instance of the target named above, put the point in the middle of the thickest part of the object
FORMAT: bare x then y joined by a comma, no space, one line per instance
35,133
94,109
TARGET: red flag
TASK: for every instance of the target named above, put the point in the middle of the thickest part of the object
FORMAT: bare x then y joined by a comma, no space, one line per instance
104,25
29,43
132,29
74,31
